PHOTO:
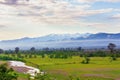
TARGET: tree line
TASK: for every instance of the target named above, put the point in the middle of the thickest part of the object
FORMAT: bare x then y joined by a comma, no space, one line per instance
63,52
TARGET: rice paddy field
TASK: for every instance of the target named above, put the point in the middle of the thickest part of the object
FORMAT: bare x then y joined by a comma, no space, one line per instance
99,68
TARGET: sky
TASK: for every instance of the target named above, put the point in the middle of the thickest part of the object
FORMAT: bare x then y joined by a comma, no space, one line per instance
34,18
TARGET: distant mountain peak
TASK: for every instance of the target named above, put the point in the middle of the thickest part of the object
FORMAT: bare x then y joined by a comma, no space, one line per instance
63,40
25,38
75,36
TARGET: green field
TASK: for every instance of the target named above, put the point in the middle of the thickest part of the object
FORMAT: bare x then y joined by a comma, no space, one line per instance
99,68
71,69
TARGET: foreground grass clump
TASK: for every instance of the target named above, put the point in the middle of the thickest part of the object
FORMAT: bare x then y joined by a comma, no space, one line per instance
7,73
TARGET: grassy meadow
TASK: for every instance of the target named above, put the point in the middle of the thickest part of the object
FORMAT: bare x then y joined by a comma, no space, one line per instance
99,68
67,65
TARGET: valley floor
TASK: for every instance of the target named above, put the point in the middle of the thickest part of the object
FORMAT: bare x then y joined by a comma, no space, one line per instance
63,69
99,68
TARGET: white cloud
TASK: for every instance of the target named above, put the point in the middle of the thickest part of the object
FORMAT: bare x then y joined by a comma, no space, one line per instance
41,15
92,1
116,16
49,11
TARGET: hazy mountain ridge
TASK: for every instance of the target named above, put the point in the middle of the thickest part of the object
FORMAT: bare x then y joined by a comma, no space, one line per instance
63,40
63,37
102,36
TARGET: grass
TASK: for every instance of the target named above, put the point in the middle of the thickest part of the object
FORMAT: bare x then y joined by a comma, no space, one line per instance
22,76
2,62
98,69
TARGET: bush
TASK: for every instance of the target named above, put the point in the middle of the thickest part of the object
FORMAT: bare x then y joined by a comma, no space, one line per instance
7,74
86,60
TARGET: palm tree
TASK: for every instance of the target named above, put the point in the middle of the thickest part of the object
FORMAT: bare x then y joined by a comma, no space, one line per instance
111,47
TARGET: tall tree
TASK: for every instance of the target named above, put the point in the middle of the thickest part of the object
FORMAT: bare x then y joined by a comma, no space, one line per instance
32,49
1,50
79,48
17,49
111,47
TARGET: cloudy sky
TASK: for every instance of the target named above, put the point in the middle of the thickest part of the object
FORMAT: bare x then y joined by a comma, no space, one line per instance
32,18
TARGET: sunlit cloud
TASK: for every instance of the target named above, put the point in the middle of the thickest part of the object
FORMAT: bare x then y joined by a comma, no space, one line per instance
41,17
116,16
92,1
49,11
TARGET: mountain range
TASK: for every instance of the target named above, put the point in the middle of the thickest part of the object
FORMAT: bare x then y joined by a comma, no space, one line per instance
59,40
